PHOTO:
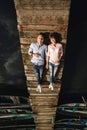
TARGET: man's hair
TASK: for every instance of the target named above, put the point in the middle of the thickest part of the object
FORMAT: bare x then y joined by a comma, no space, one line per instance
41,34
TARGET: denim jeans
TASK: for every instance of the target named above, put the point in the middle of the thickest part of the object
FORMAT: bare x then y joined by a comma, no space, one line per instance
53,70
38,69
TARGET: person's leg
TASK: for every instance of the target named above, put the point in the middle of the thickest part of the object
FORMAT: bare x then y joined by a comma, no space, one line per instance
55,71
41,69
36,70
51,72
51,69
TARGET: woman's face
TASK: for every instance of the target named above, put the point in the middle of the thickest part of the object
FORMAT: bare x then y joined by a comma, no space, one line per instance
53,41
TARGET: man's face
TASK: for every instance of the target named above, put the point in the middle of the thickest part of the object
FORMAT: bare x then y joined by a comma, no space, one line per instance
40,39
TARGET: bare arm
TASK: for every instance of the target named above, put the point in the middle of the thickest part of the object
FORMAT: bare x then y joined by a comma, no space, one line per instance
47,61
60,53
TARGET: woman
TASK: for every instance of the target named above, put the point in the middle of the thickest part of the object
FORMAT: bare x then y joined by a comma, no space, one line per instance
54,55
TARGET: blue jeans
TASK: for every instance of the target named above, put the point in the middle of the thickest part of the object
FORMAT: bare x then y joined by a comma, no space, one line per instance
53,70
38,69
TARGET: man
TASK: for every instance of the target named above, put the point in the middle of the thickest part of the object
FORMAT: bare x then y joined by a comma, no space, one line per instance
38,52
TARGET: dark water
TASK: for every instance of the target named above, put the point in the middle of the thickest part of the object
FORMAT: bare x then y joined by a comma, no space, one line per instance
12,76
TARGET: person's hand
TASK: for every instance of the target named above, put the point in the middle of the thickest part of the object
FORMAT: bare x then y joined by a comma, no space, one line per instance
56,62
47,66
30,53
37,54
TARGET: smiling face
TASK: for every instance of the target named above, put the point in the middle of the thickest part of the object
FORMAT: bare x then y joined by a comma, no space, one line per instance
40,39
53,40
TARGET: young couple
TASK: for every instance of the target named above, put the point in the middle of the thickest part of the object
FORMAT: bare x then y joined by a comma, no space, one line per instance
51,53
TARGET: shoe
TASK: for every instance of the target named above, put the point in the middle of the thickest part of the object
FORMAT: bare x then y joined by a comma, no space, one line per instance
38,89
51,87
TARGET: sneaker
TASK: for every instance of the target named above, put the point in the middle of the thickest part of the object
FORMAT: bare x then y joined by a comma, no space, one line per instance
51,87
38,89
